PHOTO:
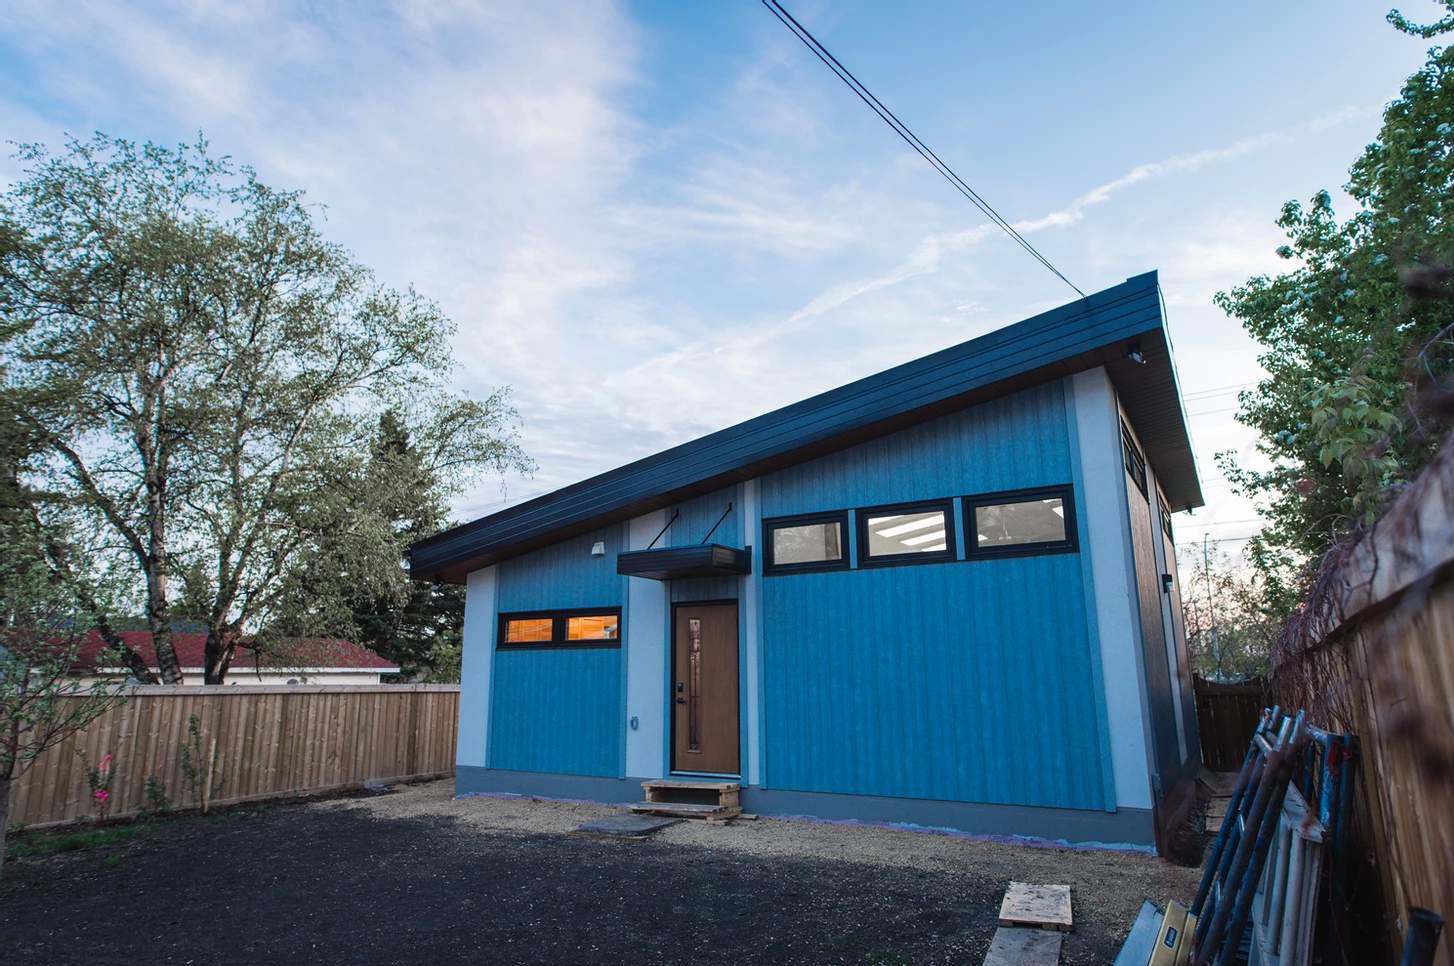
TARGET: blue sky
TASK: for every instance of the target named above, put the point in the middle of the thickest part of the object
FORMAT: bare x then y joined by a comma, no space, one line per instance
624,206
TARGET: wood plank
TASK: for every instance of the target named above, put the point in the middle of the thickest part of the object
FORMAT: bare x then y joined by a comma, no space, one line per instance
1024,947
1035,905
685,810
684,783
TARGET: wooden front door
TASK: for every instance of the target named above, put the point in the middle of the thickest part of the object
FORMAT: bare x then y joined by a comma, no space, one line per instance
704,689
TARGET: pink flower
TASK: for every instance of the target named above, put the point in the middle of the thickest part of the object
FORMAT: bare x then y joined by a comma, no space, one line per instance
102,796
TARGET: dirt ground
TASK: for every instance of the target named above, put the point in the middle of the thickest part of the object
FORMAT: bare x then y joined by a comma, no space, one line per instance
417,876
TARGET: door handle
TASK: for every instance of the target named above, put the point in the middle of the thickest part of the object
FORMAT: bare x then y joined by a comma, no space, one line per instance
681,700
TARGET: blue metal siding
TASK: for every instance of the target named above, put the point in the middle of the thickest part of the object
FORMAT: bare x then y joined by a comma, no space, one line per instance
698,516
564,575
1005,444
558,710
965,681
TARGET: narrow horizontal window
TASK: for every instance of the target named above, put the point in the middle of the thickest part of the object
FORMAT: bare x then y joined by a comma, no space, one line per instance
529,629
796,544
906,534
594,627
1013,524
1021,522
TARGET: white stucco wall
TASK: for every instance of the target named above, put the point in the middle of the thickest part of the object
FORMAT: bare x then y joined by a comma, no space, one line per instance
647,661
477,664
1117,617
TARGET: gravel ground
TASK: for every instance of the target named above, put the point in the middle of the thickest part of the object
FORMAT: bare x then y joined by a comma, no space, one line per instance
416,874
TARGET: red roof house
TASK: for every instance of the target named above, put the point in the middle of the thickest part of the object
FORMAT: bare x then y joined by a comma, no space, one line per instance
299,661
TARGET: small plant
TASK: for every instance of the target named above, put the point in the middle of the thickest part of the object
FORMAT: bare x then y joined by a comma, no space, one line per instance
157,802
112,861
98,779
197,767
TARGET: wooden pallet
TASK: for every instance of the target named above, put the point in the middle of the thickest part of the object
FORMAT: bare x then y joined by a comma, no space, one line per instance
1037,907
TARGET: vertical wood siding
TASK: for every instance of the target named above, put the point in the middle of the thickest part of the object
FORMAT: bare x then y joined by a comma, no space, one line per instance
963,681
558,710
564,575
1004,444
696,517
1145,531
272,742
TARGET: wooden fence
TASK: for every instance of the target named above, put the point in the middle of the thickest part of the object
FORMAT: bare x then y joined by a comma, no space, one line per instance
1227,716
1373,655
257,742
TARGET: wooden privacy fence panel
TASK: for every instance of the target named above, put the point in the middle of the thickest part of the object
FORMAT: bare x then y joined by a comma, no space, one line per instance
1227,716
269,742
1373,655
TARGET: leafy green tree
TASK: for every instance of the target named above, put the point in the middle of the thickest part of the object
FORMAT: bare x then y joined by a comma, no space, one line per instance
1355,339
202,373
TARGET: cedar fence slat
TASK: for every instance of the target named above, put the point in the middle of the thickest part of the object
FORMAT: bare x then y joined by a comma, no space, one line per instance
272,742
1373,655
1227,716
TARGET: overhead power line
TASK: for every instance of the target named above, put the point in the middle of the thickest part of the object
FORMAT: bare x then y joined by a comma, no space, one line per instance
902,131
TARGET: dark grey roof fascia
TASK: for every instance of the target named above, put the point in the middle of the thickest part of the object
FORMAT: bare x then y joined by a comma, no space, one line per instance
1090,332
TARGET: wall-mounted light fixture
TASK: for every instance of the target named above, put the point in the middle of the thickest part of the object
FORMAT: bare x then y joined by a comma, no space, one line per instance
1166,581
598,549
1133,352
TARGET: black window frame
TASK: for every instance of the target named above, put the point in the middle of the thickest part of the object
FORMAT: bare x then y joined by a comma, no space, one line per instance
1166,524
560,622
1133,459
772,569
1066,493
949,554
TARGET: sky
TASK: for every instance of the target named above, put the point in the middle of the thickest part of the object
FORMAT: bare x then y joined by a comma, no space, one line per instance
627,206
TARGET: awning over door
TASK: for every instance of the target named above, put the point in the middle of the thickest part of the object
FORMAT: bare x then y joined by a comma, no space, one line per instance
671,563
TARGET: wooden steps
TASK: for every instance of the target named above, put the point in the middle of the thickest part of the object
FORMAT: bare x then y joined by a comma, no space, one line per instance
713,801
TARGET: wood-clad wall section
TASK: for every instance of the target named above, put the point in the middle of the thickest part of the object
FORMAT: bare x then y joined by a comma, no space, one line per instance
270,742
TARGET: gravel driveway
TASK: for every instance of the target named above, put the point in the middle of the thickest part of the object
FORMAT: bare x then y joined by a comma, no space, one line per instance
415,875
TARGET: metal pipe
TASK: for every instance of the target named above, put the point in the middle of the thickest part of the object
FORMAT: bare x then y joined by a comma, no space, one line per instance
1287,952
1422,939
1236,923
1209,936
1277,894
1229,821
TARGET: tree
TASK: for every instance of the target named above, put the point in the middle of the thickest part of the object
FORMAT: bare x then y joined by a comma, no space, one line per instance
203,373
414,623
41,631
1353,342
1229,629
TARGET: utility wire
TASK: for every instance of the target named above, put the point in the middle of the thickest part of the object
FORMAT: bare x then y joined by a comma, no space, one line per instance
902,131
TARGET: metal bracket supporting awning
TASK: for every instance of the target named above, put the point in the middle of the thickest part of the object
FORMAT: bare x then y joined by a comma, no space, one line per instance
672,563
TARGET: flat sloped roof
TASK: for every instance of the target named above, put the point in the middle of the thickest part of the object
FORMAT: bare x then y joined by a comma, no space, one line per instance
1095,331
